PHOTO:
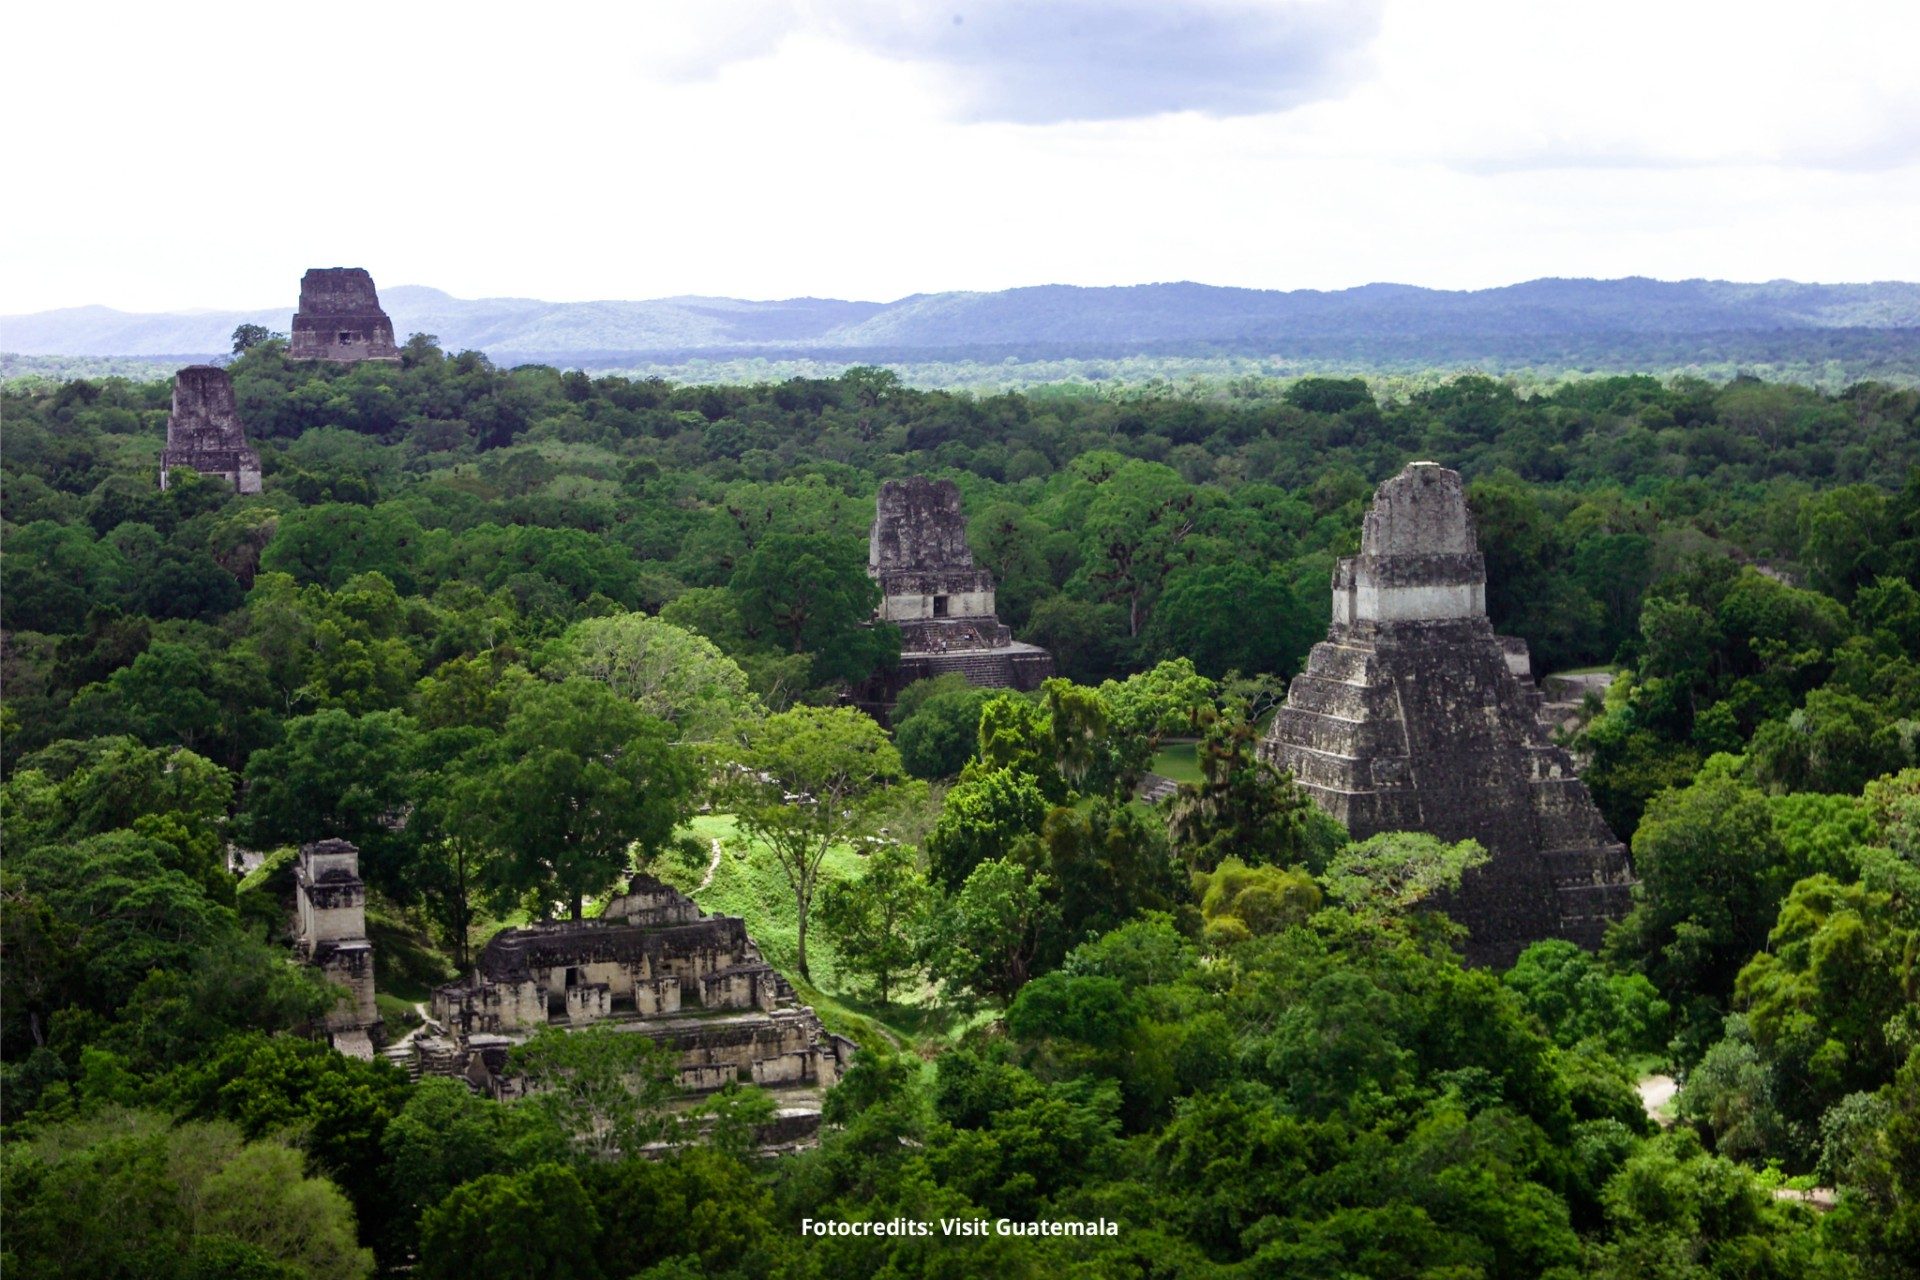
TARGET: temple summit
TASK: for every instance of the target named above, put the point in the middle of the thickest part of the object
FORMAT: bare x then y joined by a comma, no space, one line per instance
942,603
340,318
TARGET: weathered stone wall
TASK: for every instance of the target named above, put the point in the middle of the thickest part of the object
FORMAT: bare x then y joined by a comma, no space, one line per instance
629,970
918,553
340,318
968,594
204,433
1419,560
331,933
1414,716
918,527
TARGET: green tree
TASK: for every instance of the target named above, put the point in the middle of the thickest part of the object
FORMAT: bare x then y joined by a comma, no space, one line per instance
938,735
447,1135
486,1226
813,592
1843,533
1709,865
126,912
450,832
989,934
339,1106
332,543
166,696
1576,998
1140,710
670,673
1398,871
696,1212
804,781
1239,902
1838,982
337,776
1006,541
132,1194
1106,861
249,336
1088,641
1232,618
981,819
1835,743
1242,807
1135,525
879,921
604,1087
588,786
1675,1210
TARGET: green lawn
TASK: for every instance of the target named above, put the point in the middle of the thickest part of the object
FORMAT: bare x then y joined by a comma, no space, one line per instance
1177,760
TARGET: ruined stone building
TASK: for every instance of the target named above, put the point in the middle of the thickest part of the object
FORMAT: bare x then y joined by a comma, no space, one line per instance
942,603
340,318
1412,715
652,964
204,432
331,935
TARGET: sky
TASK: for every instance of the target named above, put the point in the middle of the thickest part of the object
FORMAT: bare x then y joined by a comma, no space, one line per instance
203,155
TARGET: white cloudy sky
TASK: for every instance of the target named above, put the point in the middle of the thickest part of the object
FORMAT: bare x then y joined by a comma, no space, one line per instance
165,156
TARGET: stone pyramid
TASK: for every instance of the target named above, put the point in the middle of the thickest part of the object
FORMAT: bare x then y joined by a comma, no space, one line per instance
204,432
1412,715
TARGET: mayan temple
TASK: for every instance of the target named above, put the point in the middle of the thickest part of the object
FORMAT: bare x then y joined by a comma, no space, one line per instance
340,318
330,900
204,432
942,603
651,964
1413,715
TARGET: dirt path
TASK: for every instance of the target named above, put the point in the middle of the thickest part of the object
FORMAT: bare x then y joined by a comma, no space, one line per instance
713,865
1656,1097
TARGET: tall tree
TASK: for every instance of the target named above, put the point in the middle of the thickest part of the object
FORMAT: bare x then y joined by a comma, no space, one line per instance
813,592
878,920
1135,526
806,780
668,671
1242,807
587,786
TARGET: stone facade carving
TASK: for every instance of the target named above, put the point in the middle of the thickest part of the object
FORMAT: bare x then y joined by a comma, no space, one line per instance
942,603
652,964
331,935
1413,715
204,432
340,318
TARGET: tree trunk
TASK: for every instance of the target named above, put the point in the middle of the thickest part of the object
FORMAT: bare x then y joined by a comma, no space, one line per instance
800,905
578,903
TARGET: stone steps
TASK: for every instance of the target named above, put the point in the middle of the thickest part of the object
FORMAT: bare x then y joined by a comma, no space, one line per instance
402,1056
1153,789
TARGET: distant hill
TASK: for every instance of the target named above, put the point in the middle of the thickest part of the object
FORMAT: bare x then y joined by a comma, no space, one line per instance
1633,320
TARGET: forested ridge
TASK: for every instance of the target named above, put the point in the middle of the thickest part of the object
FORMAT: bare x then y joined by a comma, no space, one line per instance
474,602
1539,331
